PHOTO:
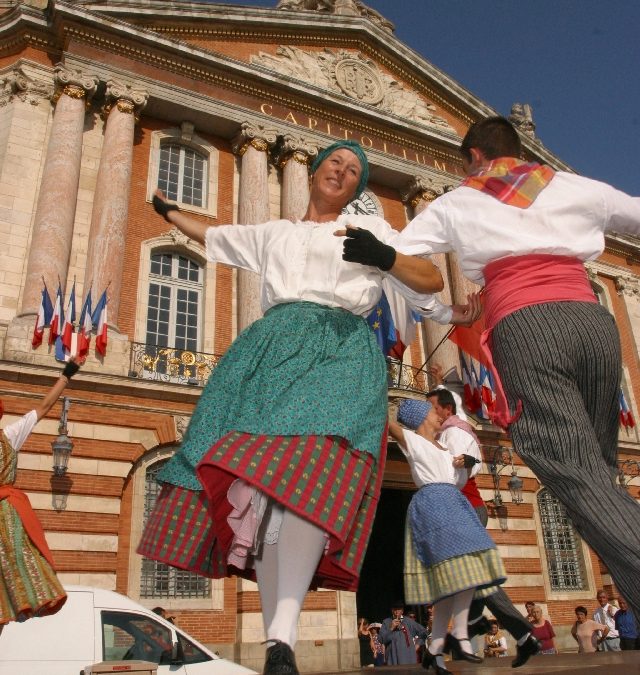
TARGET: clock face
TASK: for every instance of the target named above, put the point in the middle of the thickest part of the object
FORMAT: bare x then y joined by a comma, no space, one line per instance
366,204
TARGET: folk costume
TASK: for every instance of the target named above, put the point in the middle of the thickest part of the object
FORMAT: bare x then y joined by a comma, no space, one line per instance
292,420
454,552
524,231
29,586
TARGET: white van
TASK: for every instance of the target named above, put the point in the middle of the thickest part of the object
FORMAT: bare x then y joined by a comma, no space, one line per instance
96,625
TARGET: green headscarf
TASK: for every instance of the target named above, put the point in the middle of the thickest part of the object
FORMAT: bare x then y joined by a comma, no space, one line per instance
357,150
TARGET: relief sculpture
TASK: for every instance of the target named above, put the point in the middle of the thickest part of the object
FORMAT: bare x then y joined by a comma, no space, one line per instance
354,76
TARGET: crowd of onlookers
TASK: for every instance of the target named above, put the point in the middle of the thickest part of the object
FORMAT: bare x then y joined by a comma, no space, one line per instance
611,628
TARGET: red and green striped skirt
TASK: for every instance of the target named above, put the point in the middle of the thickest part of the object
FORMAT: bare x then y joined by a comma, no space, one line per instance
297,410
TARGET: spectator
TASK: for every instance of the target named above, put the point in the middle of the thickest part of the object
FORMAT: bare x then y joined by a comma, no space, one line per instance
543,631
376,646
626,627
605,614
161,611
364,638
420,646
495,643
401,636
585,632
529,608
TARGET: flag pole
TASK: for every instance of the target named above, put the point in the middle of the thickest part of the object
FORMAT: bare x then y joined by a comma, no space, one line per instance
435,349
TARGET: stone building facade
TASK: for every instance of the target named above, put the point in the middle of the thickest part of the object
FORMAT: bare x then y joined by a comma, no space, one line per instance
225,106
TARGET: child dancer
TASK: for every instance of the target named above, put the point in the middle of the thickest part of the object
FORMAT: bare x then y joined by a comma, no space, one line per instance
458,556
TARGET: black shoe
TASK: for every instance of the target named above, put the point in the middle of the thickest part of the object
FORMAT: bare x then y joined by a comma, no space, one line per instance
280,660
528,648
452,644
429,661
480,627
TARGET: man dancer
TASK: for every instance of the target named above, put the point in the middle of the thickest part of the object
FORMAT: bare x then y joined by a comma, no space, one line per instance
459,437
524,230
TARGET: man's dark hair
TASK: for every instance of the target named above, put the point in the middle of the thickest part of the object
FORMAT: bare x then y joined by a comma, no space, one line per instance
495,136
444,398
581,609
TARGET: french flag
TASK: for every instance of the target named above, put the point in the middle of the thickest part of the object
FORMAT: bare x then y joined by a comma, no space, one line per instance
488,394
85,326
626,416
68,327
45,312
57,318
99,320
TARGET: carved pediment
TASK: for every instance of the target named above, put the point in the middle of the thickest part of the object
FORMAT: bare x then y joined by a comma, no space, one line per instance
355,76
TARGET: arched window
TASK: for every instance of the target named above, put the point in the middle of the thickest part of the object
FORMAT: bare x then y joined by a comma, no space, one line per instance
182,174
562,547
158,580
175,301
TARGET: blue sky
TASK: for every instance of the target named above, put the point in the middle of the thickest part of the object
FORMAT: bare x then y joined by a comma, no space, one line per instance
576,62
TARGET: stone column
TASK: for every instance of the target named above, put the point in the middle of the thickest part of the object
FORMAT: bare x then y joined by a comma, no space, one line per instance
419,193
294,156
105,254
55,213
252,144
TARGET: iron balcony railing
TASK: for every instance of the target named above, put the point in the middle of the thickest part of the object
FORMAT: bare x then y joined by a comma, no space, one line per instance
165,364
181,366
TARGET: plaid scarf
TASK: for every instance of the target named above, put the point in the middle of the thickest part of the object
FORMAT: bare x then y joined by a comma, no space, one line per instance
512,181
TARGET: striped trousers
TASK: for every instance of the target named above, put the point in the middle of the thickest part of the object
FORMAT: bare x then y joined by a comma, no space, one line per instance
563,361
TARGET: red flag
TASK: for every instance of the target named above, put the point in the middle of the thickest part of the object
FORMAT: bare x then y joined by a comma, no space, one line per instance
100,323
468,339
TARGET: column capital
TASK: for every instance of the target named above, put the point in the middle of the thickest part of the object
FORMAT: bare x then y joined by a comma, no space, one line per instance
127,99
628,286
421,188
74,83
297,148
18,84
257,136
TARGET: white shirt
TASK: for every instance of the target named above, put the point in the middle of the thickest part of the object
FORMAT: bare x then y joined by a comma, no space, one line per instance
302,261
430,464
17,432
602,615
569,217
460,442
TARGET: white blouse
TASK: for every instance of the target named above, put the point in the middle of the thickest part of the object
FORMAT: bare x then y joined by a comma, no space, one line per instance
18,432
303,261
569,217
430,464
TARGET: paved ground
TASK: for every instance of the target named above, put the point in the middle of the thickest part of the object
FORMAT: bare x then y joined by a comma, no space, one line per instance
614,663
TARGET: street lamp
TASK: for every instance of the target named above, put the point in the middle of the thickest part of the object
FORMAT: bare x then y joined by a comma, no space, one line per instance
502,458
63,445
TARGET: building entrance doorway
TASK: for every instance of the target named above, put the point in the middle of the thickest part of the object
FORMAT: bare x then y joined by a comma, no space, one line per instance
381,581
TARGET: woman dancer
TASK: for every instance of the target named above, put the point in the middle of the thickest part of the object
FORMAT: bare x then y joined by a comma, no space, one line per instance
279,473
29,586
458,555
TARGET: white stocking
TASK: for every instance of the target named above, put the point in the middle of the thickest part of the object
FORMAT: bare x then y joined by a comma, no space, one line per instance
284,578
441,614
460,612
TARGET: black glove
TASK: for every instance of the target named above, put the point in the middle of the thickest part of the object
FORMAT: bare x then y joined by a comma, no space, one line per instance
469,461
162,207
362,247
70,369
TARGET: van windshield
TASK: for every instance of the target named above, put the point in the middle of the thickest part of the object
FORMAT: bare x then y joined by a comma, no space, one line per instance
128,636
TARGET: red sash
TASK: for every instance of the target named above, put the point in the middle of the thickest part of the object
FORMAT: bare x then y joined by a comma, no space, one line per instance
520,281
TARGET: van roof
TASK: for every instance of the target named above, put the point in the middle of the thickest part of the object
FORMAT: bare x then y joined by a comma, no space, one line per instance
105,598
